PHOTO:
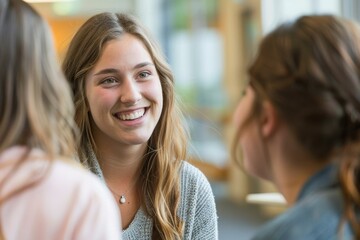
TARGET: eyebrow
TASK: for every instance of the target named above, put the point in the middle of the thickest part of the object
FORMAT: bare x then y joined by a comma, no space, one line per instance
144,64
106,71
114,70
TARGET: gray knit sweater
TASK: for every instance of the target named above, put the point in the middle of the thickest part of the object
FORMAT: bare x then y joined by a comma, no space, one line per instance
197,207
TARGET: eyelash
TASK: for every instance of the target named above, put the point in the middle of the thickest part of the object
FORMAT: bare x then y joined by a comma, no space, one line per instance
112,80
143,73
106,80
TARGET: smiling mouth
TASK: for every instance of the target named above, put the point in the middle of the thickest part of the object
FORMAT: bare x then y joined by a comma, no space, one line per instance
131,116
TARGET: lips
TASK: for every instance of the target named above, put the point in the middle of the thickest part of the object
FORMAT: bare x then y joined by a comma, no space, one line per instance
128,116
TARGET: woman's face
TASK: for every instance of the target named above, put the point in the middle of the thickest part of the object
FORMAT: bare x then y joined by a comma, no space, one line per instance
124,93
250,139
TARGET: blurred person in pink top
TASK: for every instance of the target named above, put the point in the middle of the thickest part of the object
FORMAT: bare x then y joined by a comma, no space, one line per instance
44,194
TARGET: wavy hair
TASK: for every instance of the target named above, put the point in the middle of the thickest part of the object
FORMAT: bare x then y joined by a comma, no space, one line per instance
35,100
166,147
310,71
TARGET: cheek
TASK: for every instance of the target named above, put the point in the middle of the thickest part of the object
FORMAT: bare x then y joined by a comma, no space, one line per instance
238,115
100,101
247,147
254,156
153,91
243,111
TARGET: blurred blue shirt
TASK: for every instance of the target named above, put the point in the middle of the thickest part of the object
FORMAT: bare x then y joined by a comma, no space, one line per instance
316,215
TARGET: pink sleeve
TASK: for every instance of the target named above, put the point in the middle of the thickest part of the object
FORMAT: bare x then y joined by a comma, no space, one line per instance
69,203
94,216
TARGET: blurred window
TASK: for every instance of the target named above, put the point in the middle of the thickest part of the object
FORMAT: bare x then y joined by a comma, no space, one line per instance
275,12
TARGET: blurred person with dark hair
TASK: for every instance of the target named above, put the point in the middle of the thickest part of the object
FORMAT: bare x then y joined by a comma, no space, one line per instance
299,126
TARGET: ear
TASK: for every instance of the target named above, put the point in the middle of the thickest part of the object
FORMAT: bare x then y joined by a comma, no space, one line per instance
269,119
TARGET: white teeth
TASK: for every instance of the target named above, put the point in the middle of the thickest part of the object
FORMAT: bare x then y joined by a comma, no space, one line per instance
131,116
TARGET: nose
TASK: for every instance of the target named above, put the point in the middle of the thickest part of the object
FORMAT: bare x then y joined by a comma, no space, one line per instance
130,93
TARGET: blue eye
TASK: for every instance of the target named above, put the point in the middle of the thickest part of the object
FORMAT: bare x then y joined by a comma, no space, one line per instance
109,80
144,74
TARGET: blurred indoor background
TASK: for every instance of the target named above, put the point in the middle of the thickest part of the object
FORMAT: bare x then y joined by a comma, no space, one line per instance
209,44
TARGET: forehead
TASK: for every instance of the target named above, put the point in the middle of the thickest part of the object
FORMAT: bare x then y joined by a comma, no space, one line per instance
127,50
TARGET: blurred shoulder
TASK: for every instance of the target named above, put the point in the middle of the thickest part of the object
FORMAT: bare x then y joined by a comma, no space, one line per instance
315,217
59,174
68,172
63,196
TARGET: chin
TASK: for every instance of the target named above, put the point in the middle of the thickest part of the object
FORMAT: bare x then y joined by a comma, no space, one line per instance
139,140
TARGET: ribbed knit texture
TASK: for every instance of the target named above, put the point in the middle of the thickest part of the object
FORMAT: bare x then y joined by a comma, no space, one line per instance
197,207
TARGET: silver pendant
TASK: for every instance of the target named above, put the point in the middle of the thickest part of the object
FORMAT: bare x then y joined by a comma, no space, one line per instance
122,199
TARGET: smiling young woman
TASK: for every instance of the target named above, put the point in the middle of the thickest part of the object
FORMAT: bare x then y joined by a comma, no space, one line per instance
132,131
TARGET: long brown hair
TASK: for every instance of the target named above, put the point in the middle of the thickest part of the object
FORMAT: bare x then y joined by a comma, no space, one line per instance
35,99
310,71
167,145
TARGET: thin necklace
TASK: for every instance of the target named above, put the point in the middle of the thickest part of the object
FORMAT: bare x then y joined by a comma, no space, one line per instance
122,197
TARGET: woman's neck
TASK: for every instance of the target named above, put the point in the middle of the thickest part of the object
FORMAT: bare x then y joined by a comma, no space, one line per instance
290,178
292,166
120,164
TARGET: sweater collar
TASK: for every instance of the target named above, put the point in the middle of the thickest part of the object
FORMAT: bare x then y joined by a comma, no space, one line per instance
93,163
